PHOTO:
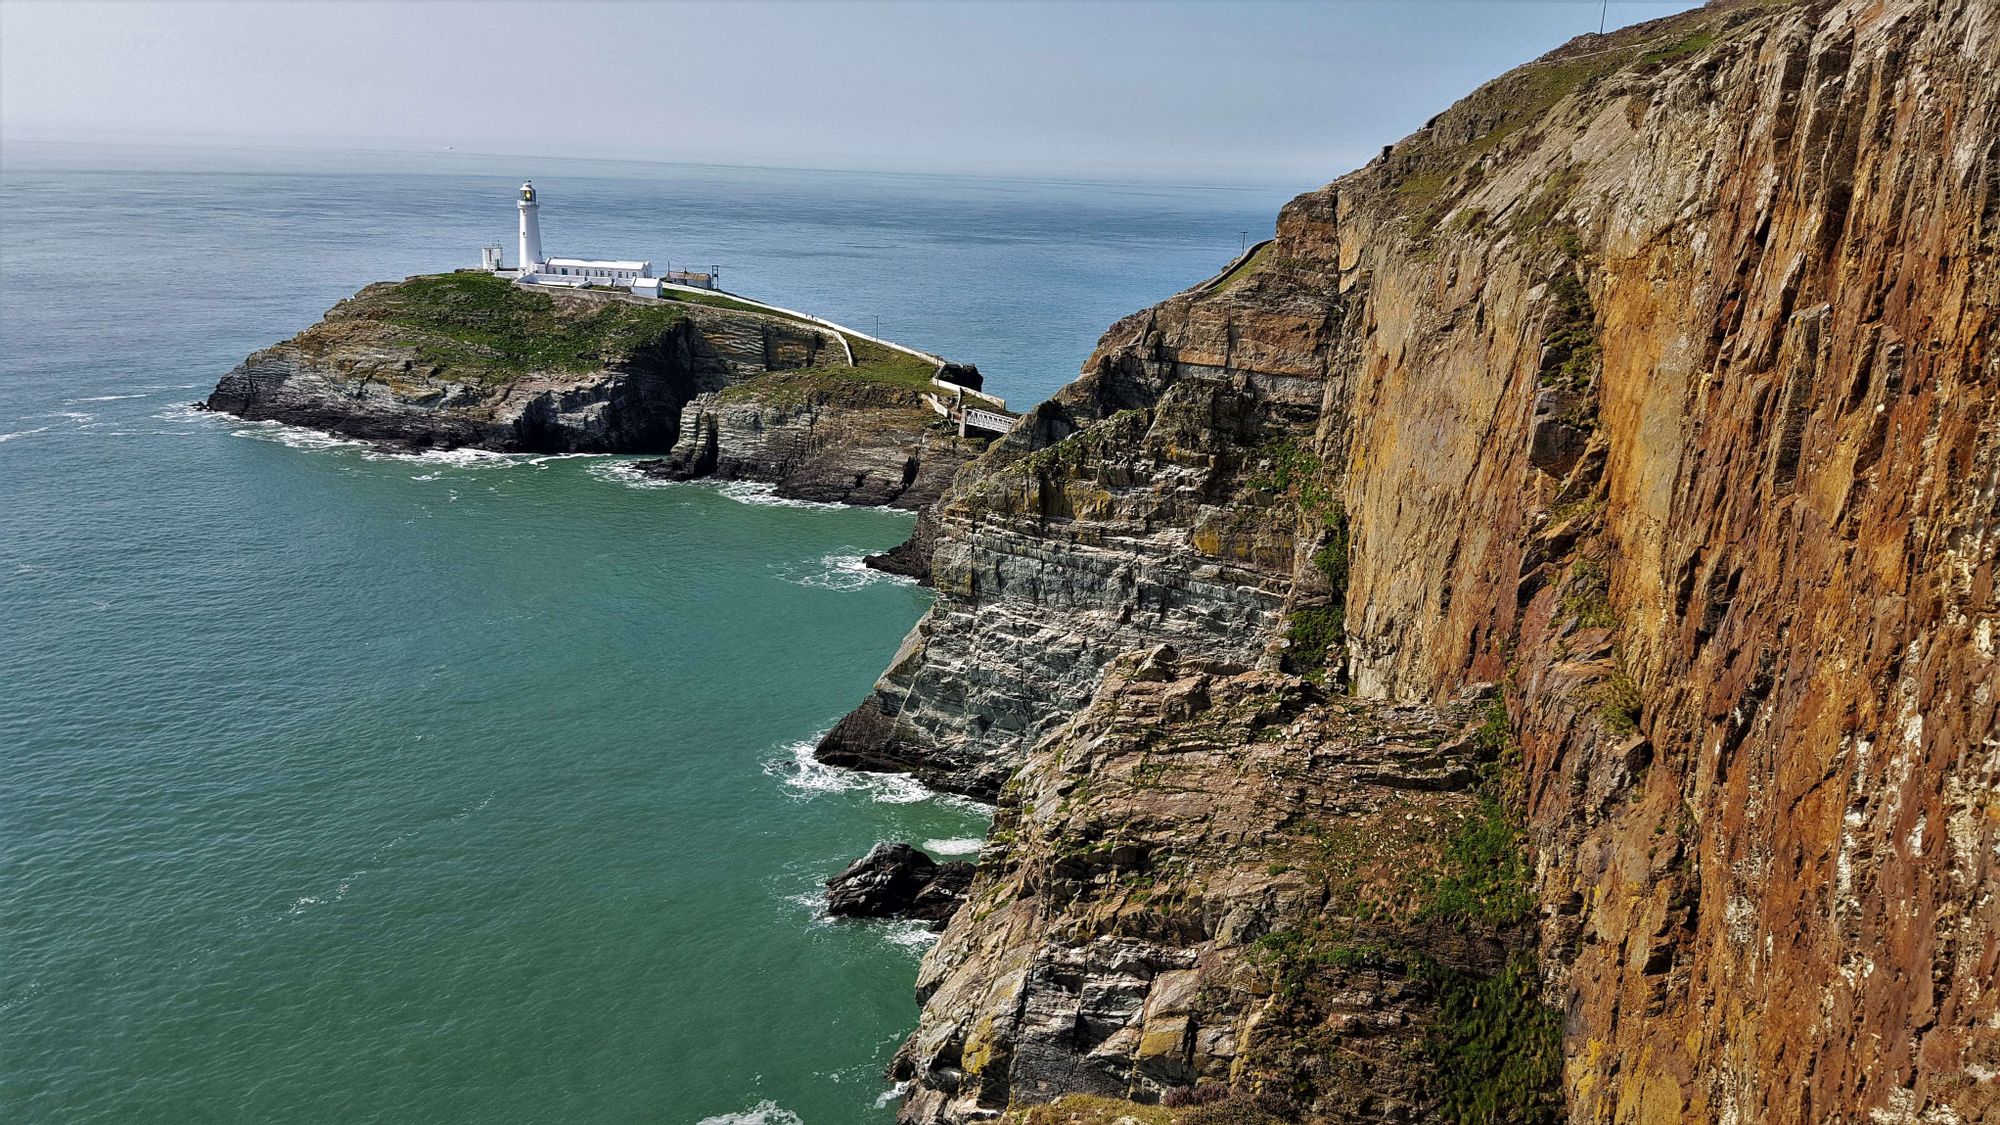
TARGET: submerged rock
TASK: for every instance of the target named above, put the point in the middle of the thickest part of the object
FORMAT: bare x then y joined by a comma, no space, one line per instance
898,881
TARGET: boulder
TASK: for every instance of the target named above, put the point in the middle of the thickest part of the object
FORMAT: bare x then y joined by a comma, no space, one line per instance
897,881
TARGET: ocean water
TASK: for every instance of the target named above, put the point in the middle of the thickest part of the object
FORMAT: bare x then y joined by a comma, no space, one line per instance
342,786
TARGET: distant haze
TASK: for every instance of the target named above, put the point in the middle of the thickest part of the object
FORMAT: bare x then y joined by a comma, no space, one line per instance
1220,92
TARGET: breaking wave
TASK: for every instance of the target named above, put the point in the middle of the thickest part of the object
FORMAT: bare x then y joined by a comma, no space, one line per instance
840,570
763,1113
766,495
809,777
627,473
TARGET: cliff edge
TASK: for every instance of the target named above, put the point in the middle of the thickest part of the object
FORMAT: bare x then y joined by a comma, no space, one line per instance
1520,645
719,387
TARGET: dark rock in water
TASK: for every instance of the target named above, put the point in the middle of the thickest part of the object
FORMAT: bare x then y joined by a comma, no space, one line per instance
897,881
912,557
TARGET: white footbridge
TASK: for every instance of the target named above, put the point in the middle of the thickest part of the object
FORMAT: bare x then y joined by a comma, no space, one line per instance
961,405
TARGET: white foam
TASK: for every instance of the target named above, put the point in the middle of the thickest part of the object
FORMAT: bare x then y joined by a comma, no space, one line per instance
810,777
24,433
765,495
914,936
301,437
465,458
100,398
628,474
957,845
892,1095
295,437
842,570
763,1113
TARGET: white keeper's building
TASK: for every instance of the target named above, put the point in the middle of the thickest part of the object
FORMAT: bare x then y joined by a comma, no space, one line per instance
538,269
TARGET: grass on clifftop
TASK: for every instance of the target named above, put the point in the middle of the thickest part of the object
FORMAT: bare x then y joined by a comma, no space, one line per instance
873,364
488,329
1243,269
878,364
475,321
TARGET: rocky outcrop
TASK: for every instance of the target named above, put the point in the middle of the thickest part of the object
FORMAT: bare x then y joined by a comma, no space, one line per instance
1050,563
1656,383
1153,913
898,881
829,440
726,391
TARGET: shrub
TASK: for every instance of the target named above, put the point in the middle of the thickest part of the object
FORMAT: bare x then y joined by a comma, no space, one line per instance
1619,703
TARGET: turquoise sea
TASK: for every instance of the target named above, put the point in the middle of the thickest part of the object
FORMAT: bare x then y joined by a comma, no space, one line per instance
346,787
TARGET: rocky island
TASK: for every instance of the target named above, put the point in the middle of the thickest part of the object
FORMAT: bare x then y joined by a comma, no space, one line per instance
720,388
1519,645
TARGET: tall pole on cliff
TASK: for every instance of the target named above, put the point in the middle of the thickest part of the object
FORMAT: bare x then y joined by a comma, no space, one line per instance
1605,7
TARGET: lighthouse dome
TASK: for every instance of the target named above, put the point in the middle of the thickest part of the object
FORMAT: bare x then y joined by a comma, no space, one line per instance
528,192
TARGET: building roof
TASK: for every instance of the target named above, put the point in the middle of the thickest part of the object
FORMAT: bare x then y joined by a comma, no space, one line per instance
597,263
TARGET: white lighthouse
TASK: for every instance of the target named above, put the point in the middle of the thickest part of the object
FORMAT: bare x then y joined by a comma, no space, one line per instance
531,229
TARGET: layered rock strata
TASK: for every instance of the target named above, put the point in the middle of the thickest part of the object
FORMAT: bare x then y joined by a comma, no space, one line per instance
1656,382
1138,506
1202,877
835,441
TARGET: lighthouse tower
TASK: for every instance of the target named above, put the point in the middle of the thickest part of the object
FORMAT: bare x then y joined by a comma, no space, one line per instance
531,229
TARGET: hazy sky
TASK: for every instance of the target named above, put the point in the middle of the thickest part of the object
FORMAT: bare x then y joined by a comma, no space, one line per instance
1214,92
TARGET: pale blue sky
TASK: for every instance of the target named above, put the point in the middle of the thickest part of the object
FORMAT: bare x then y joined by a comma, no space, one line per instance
1211,92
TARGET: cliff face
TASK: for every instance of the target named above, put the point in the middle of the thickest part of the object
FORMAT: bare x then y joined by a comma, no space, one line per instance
834,441
725,390
1655,383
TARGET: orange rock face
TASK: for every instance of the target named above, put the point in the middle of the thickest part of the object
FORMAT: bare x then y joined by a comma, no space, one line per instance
1659,382
1770,873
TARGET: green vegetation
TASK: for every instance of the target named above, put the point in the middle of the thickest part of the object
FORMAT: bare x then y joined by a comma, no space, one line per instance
1312,632
1495,1050
1587,505
1698,40
718,301
1619,703
1331,557
1484,876
878,364
1538,217
1243,269
1311,636
1297,475
1587,595
1442,170
1295,957
1570,350
1495,735
1496,1046
477,323
486,329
